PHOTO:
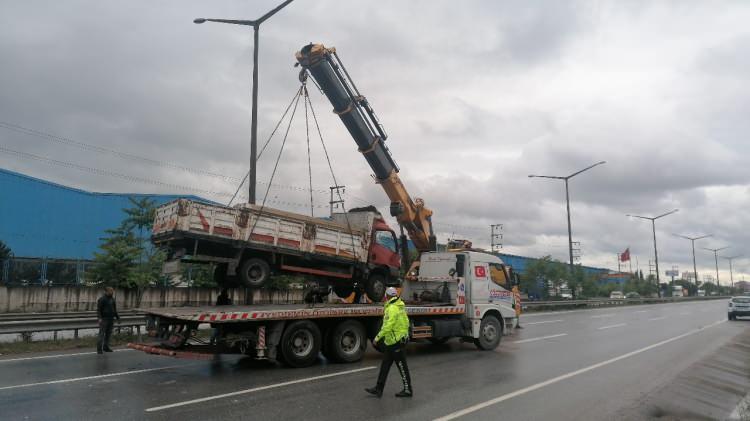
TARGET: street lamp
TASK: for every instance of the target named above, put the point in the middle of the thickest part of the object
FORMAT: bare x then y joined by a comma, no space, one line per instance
692,240
254,124
731,276
656,254
567,203
716,259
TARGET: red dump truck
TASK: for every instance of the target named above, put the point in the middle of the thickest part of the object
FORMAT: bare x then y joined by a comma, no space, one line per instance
248,243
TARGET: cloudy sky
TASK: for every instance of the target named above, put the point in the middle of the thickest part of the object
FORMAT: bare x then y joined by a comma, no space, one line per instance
133,97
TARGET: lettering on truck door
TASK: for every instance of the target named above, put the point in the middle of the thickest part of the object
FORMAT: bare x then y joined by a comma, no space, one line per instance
499,284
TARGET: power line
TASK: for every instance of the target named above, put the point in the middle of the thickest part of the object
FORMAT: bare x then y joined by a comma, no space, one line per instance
99,149
130,178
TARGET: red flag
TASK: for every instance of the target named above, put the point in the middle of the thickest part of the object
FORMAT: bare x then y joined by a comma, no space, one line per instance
625,256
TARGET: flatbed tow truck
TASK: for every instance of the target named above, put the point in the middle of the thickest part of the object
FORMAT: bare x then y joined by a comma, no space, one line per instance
461,293
458,294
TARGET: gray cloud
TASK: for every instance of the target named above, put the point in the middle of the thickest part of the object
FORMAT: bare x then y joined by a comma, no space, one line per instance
475,97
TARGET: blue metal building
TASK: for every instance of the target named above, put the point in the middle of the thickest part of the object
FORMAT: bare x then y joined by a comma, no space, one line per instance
39,218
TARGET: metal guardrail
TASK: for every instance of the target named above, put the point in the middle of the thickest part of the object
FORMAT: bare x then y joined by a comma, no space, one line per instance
27,327
610,302
8,317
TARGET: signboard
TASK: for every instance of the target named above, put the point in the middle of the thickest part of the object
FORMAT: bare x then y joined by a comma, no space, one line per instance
672,273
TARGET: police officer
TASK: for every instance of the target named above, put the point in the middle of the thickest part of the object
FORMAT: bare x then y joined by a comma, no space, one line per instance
106,312
394,333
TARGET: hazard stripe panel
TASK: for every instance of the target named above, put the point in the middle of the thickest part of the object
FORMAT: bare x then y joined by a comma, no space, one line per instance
316,313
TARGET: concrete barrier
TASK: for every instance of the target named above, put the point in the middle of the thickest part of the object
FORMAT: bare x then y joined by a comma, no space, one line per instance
74,298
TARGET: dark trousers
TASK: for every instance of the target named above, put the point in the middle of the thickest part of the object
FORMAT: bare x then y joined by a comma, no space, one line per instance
105,331
394,353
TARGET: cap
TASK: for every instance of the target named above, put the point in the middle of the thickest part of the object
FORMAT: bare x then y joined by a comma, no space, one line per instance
391,292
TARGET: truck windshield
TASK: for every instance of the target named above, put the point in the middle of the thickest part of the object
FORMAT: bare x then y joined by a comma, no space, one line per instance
386,239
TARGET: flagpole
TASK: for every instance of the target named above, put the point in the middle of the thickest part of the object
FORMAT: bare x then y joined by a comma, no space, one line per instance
618,262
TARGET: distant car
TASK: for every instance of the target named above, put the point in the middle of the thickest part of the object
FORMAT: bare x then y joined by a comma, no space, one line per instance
632,295
738,306
616,295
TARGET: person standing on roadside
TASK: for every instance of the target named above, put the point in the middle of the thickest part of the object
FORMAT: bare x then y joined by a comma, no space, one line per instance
106,313
394,334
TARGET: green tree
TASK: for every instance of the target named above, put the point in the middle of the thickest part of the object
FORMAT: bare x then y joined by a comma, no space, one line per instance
127,259
551,272
199,275
5,251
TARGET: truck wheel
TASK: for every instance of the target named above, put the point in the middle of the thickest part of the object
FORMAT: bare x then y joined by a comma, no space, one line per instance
375,287
347,342
254,272
490,332
300,343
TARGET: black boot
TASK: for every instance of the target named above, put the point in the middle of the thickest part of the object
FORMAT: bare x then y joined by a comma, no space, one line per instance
374,391
108,349
99,351
406,393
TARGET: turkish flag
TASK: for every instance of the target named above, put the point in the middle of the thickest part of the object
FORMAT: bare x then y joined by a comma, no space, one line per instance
625,256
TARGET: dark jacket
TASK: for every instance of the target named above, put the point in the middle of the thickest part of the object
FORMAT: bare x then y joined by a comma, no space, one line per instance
106,308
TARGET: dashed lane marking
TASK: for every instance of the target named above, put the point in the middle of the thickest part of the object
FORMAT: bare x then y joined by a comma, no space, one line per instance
525,390
544,321
612,326
256,389
78,379
541,338
43,357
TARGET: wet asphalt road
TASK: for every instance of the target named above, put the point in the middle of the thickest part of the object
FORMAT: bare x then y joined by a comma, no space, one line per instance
590,364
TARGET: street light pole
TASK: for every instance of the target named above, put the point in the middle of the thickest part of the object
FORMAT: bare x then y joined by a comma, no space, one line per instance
656,254
731,275
567,204
252,178
692,241
716,259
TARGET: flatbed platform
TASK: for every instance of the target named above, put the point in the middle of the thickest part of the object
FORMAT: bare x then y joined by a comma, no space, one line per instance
240,313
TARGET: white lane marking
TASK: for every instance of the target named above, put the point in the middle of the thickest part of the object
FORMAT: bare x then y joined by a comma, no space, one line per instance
642,311
42,357
558,379
657,318
545,321
256,389
523,341
552,313
78,379
612,326
603,315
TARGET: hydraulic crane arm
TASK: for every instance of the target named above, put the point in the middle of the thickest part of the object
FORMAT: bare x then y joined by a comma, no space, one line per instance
355,112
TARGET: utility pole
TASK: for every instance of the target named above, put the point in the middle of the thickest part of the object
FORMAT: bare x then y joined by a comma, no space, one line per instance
496,237
567,204
656,253
731,275
692,241
339,190
716,259
254,118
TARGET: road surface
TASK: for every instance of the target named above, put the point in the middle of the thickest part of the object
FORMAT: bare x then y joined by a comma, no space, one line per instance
635,362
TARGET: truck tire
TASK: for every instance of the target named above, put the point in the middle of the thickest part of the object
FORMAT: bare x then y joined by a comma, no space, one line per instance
254,272
375,287
347,342
300,343
490,332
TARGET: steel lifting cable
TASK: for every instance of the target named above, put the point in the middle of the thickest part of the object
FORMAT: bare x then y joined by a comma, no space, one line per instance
333,175
307,134
265,145
276,165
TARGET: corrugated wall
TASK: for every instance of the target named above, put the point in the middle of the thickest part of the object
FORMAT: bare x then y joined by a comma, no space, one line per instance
44,219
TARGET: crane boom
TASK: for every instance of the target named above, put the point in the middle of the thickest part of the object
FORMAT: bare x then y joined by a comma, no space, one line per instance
359,118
